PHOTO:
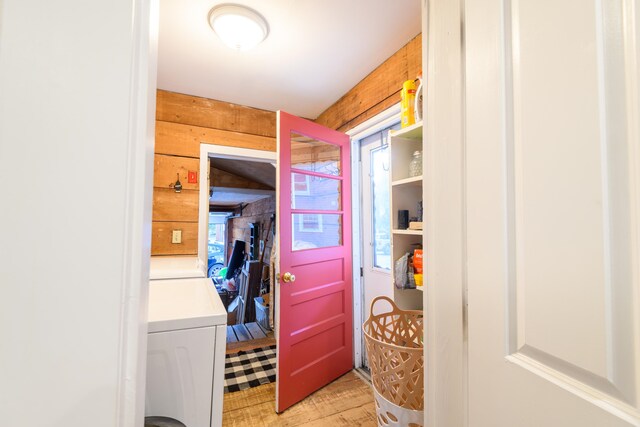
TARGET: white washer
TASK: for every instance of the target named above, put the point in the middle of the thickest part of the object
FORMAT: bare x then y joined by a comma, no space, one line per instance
185,352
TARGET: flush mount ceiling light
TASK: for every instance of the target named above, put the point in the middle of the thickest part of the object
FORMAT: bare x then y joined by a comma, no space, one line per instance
238,26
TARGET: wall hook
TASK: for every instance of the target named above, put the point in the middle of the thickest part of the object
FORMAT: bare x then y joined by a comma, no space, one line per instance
178,185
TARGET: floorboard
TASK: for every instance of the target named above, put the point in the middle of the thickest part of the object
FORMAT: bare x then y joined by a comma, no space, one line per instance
348,401
231,336
255,330
241,332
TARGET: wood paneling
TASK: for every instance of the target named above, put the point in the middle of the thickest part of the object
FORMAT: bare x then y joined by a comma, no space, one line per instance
171,206
209,113
376,92
256,212
177,140
183,122
220,178
262,172
184,140
166,169
161,238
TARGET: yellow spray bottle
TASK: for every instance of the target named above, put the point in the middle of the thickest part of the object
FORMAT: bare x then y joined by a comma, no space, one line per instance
407,103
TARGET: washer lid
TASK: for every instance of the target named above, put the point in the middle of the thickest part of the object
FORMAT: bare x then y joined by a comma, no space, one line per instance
184,304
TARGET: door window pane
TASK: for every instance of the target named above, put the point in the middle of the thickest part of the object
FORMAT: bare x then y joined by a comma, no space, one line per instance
313,192
380,203
316,156
310,231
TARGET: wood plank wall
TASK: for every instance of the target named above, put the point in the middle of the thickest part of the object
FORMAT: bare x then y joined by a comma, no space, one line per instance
183,122
220,178
240,229
376,92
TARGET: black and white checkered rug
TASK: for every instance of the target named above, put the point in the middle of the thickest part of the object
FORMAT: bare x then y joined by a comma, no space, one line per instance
250,368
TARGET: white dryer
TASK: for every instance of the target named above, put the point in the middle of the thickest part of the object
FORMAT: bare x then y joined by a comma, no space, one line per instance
185,352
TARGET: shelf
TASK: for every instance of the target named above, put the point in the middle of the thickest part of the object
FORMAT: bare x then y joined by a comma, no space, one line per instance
410,289
410,132
409,232
404,194
414,180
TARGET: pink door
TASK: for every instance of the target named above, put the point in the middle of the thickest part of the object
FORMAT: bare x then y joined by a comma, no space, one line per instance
314,293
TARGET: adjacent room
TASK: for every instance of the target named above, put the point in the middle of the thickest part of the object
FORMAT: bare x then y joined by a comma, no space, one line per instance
268,202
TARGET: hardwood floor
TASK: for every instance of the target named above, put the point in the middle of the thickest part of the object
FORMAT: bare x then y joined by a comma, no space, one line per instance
348,401
234,347
245,332
247,337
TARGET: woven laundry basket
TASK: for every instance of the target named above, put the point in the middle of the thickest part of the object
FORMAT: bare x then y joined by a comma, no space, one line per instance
394,341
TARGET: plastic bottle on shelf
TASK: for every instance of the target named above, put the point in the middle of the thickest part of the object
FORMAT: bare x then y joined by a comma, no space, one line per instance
415,166
407,103
417,109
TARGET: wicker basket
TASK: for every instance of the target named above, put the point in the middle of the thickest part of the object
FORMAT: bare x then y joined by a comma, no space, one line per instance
390,415
395,352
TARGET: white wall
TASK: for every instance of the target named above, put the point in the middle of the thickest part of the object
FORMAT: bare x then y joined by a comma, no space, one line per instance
75,170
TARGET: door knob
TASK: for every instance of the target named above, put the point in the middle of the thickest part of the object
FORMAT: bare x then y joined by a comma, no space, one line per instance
288,277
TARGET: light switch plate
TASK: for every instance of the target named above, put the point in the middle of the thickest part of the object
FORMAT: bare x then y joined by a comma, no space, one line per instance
176,236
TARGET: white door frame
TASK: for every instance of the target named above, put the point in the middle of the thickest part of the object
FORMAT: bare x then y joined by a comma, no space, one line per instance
378,122
444,298
222,152
132,369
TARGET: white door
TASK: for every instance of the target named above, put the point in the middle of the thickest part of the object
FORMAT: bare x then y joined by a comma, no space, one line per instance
376,233
553,212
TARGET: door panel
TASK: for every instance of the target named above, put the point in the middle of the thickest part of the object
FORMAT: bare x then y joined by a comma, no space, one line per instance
553,197
314,311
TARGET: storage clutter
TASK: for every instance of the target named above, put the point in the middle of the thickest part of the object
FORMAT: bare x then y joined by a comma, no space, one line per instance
262,313
394,341
408,271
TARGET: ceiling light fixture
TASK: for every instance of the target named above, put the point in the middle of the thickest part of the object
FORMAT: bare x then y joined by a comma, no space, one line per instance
238,26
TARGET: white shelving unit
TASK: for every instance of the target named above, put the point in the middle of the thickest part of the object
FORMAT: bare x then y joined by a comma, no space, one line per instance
405,193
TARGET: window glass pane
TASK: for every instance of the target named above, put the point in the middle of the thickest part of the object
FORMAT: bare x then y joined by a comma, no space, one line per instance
216,241
380,204
311,231
312,192
313,155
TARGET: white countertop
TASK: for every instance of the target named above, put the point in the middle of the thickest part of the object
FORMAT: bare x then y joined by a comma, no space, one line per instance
183,304
173,267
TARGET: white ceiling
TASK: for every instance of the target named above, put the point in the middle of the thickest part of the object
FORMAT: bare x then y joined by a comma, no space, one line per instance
315,52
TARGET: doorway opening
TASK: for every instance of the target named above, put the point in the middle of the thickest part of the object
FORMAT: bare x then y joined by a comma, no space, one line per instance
240,208
238,204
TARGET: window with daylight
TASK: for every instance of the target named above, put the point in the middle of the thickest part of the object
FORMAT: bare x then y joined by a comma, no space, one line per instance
311,222
300,184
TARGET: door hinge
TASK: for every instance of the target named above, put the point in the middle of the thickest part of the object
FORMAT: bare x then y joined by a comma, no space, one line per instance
361,272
